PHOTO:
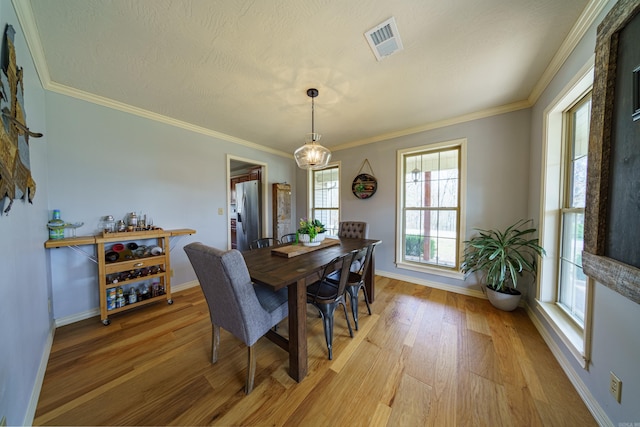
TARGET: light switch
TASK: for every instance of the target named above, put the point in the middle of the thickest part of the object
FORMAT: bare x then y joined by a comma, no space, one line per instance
220,211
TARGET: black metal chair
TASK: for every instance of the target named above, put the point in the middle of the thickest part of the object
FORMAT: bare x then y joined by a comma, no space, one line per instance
326,296
288,238
356,280
263,243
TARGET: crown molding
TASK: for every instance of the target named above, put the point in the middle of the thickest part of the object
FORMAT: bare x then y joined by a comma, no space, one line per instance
27,22
579,29
120,106
520,105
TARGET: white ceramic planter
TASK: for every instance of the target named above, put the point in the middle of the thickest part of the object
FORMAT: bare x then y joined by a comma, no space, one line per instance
506,302
304,239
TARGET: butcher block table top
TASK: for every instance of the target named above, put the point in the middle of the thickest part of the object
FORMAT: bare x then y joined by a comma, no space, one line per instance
292,250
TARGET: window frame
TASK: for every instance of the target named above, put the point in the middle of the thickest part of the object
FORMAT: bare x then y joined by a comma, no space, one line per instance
568,148
576,338
311,193
451,272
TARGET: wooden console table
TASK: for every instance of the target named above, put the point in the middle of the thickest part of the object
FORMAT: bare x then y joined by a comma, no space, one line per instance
111,275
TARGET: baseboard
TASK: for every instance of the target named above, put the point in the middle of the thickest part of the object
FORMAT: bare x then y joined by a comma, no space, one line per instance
585,394
37,385
67,320
442,286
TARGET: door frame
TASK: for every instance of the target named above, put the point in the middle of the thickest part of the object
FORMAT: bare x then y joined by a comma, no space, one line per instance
264,193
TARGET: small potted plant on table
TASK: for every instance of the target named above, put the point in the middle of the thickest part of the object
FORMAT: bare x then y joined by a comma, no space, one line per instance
501,257
310,232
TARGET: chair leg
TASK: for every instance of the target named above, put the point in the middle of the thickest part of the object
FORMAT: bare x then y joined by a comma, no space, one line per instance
346,316
326,312
215,342
251,369
366,298
353,296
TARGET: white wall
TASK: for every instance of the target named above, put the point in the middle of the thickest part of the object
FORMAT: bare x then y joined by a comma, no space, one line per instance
497,183
95,161
615,338
25,322
104,161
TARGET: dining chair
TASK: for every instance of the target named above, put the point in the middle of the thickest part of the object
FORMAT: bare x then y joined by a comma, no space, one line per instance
288,238
353,229
263,243
326,296
245,309
355,282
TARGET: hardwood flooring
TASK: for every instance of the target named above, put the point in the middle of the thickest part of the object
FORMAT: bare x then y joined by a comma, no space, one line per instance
424,357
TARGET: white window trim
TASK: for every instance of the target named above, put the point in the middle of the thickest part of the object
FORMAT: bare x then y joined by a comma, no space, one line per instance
337,164
576,339
462,144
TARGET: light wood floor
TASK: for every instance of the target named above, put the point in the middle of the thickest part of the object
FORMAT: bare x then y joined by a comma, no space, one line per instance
425,357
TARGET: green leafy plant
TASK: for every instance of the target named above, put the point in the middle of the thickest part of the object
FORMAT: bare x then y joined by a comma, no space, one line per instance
310,227
502,256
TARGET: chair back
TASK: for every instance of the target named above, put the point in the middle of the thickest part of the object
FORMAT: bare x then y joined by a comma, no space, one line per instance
227,287
264,242
362,271
353,229
327,290
288,238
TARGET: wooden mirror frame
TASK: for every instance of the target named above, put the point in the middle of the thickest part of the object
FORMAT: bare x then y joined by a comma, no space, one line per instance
621,277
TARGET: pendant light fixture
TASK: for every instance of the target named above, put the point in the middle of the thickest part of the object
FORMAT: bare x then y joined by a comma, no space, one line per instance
312,155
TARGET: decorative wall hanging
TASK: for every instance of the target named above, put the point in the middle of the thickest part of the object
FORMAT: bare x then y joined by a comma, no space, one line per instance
16,181
611,236
364,185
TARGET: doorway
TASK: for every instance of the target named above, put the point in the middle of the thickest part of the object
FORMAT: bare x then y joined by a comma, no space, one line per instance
247,201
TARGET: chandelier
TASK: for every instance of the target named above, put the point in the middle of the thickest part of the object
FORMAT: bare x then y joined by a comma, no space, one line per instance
312,155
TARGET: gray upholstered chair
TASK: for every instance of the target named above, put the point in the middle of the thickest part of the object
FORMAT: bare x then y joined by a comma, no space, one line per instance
353,229
244,309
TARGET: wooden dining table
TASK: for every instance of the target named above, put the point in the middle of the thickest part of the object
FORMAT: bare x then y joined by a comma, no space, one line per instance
271,268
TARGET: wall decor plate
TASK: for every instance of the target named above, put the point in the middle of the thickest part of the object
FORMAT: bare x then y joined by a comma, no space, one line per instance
364,186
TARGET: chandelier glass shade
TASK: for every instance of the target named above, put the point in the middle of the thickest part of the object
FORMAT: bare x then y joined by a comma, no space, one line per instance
312,155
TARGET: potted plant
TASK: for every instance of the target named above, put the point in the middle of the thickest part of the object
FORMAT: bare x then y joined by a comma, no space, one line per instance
501,257
310,232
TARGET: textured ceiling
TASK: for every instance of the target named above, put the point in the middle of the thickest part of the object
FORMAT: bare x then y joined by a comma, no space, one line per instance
242,67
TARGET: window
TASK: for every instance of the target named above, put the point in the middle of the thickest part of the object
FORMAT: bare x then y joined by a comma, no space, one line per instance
564,292
572,280
430,208
325,197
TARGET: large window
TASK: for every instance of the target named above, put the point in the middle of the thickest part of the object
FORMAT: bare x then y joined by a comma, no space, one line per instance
564,292
430,207
572,281
325,197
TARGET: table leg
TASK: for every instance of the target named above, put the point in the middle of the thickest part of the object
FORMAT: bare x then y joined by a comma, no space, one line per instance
298,363
370,280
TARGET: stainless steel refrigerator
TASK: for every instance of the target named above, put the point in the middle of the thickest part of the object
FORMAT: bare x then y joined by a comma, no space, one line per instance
248,220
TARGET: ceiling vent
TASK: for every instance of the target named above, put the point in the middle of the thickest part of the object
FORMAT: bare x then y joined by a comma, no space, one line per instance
384,39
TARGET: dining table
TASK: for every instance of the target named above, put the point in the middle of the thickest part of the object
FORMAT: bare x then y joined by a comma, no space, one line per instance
294,268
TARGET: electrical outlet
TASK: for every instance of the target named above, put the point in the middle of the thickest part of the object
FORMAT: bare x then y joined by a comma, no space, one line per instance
615,387
220,211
